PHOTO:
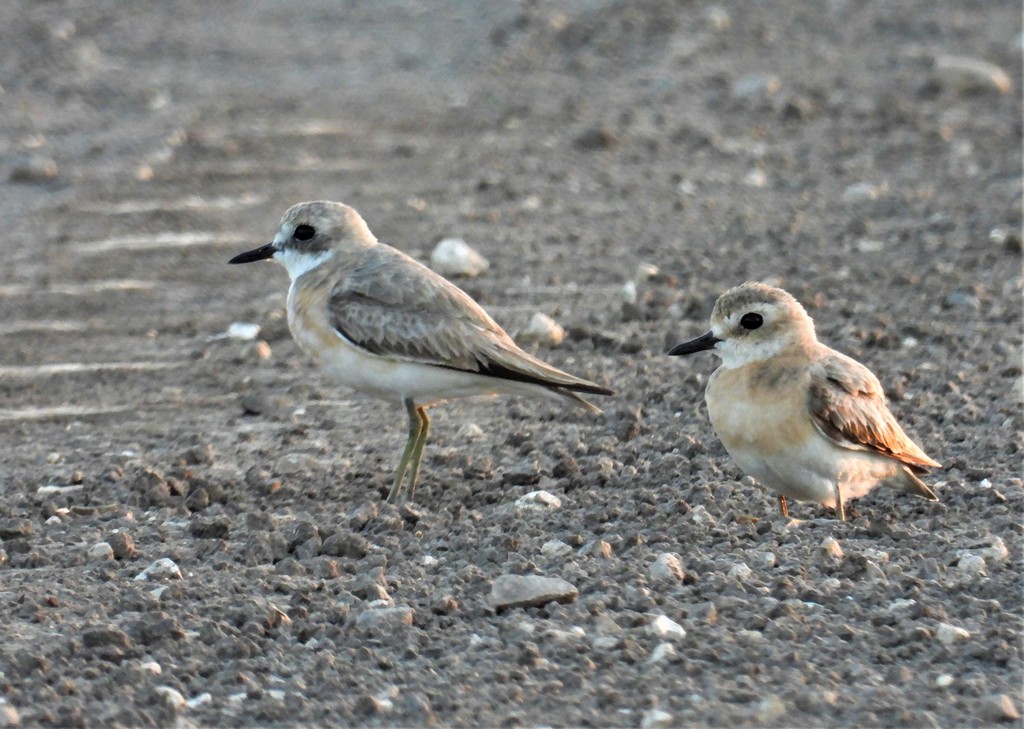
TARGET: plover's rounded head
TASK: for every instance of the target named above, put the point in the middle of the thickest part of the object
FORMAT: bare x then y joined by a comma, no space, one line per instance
309,234
312,232
314,227
755,321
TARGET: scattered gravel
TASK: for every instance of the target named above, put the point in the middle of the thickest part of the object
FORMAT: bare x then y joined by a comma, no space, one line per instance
618,164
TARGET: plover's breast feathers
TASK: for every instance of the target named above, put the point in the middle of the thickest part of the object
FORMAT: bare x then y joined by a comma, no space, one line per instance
393,306
848,406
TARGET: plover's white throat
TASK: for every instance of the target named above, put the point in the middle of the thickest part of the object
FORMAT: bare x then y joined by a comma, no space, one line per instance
808,422
387,326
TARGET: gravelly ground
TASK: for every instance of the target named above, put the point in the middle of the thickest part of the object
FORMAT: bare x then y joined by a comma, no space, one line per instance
822,148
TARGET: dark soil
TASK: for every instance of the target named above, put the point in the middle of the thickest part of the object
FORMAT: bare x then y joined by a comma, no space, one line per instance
824,147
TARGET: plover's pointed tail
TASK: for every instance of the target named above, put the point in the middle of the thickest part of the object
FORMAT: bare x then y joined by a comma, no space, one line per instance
913,485
579,401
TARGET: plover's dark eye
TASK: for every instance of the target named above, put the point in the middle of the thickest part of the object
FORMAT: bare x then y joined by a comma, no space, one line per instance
751,320
304,232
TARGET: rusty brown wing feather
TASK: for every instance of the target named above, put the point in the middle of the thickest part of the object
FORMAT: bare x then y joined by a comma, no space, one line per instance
848,406
393,306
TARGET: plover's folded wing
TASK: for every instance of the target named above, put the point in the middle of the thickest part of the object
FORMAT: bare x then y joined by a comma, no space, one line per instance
848,406
393,306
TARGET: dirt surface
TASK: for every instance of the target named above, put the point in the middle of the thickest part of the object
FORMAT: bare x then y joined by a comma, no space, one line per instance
827,147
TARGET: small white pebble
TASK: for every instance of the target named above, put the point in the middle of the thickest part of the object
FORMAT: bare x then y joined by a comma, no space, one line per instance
700,515
870,245
740,571
199,700
664,627
555,548
656,719
152,667
542,329
101,552
454,257
944,680
718,17
770,709
877,555
470,431
661,652
428,560
243,331
667,567
949,634
646,271
831,547
172,696
629,292
162,569
971,564
861,192
539,500
749,636
756,177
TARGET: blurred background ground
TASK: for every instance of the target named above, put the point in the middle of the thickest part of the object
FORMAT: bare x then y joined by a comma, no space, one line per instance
619,164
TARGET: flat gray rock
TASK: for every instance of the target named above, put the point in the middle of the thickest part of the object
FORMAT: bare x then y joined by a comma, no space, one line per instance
509,591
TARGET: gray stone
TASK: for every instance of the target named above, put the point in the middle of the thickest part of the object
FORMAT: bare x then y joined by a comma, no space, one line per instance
948,633
345,544
509,591
162,569
770,709
34,169
172,696
740,571
555,548
294,464
656,719
538,500
971,564
385,618
100,552
861,192
15,528
664,627
668,567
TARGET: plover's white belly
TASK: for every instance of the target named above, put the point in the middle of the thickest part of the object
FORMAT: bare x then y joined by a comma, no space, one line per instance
773,439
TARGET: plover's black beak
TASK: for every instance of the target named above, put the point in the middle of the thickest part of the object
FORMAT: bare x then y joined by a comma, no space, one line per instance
256,254
704,341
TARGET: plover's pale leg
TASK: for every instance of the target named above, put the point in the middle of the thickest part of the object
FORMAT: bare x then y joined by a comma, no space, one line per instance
417,451
415,426
840,511
783,506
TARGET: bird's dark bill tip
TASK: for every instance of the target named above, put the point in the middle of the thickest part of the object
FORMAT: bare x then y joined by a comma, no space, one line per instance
256,254
701,343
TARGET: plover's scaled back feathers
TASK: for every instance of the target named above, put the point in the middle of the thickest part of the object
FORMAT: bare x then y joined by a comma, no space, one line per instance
848,406
393,306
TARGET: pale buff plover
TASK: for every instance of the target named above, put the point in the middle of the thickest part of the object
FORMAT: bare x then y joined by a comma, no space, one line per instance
806,421
389,327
